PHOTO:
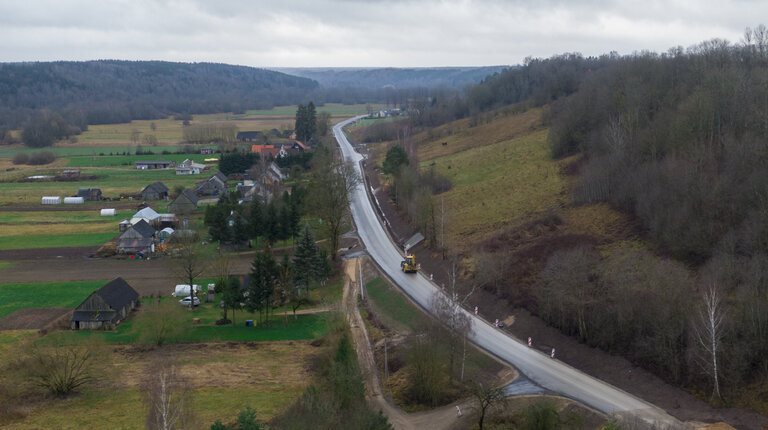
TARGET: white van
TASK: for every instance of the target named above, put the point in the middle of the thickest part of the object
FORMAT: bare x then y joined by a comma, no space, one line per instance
182,290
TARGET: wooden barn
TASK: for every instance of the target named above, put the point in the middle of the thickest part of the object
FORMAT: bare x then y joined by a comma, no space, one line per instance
89,194
106,307
154,191
185,203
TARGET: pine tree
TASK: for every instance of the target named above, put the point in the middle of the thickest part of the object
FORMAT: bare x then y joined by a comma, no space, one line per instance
305,260
256,219
264,275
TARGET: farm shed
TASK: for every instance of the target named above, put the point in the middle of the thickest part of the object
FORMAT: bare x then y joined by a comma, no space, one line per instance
106,307
154,191
108,212
222,177
71,173
89,194
124,225
185,203
147,214
145,165
74,200
210,186
140,230
51,200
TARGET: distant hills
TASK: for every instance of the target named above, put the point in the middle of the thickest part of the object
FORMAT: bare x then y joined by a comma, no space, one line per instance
398,78
110,91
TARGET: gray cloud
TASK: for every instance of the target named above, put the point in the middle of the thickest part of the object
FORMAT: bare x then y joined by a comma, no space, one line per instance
359,33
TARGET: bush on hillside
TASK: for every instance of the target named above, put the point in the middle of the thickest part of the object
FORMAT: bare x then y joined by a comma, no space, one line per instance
45,157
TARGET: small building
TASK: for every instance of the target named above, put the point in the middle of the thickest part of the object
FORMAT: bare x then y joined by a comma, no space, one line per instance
222,177
74,200
298,146
155,191
207,151
108,212
71,173
275,174
89,194
185,203
211,186
124,225
137,239
51,200
189,167
106,307
146,165
147,214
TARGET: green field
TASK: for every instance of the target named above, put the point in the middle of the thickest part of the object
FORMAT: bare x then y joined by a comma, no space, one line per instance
499,184
304,327
73,151
45,295
109,160
392,308
55,240
112,181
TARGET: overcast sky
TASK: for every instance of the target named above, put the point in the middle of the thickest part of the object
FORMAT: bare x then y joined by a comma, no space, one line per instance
344,33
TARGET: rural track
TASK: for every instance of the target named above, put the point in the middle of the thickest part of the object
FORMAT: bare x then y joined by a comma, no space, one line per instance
548,373
439,419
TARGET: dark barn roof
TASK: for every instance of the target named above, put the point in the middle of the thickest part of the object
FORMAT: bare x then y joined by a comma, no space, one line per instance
143,228
117,293
157,187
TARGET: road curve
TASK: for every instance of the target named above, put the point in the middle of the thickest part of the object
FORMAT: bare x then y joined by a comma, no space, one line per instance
550,374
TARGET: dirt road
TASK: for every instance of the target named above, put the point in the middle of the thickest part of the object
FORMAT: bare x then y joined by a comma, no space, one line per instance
440,418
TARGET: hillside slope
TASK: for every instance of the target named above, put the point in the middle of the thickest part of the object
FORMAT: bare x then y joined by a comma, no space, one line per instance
110,91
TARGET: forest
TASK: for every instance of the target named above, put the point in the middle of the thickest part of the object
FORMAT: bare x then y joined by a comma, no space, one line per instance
678,141
108,91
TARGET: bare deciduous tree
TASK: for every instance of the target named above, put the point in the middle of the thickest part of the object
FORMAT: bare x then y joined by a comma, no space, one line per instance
334,181
485,397
709,328
187,264
166,394
61,369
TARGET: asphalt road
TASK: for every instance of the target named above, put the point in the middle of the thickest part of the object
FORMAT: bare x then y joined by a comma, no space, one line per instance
539,368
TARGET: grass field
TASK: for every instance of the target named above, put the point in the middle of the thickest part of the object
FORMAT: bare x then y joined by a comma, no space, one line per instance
127,161
499,184
112,181
45,295
392,308
304,327
223,379
54,241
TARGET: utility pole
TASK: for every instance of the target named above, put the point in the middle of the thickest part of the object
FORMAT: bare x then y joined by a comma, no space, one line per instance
360,274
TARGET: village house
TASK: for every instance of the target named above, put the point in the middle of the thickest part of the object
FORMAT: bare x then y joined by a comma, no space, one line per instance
189,167
89,194
155,191
139,238
185,203
269,151
211,186
106,307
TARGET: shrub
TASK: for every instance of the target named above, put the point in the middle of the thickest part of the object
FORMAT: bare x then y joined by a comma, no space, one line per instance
21,158
45,157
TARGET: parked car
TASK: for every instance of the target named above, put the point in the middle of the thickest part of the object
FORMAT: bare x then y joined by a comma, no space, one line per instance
185,301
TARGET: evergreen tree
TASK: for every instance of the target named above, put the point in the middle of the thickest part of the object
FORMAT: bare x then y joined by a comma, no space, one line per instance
240,230
256,219
306,259
232,295
271,224
264,275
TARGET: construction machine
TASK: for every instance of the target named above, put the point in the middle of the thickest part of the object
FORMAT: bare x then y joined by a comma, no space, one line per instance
409,264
